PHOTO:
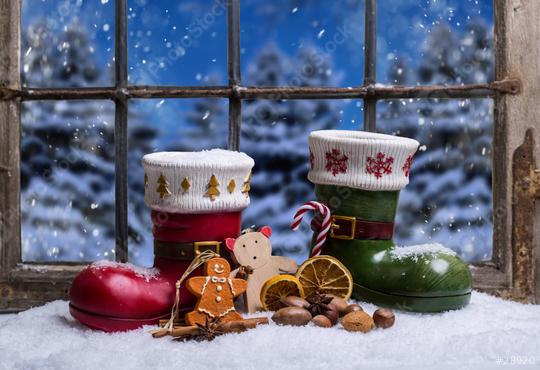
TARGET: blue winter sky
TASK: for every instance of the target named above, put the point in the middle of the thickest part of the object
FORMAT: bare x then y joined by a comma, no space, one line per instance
175,42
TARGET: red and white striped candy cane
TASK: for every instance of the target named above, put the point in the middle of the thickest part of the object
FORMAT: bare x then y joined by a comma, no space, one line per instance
325,225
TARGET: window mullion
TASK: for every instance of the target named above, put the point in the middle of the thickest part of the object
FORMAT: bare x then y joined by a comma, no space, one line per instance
370,63
120,131
233,71
10,216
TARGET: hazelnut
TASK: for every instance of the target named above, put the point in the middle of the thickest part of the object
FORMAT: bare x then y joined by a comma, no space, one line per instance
294,301
322,321
340,303
352,308
295,316
384,318
332,314
357,321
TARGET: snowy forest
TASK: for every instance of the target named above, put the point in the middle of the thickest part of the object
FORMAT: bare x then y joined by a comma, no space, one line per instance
67,148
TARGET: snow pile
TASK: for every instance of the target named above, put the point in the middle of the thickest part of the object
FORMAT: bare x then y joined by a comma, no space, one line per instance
487,333
147,273
416,251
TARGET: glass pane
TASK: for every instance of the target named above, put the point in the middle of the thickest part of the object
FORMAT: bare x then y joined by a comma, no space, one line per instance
66,43
435,42
177,42
449,197
307,43
159,125
67,181
275,134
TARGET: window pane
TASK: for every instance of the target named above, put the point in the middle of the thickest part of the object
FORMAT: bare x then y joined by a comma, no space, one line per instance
275,134
298,40
67,43
177,42
435,42
67,181
449,198
160,125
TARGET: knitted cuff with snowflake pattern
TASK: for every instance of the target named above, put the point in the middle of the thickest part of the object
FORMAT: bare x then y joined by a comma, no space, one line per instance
360,160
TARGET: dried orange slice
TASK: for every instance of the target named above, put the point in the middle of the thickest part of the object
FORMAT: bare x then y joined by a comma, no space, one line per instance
326,275
278,287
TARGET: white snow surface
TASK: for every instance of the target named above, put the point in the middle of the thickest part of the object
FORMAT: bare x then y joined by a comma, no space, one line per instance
488,333
415,251
148,273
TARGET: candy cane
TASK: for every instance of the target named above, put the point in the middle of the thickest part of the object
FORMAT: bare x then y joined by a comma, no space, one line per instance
325,226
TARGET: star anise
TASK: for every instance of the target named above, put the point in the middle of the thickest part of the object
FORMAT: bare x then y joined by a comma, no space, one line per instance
207,332
318,303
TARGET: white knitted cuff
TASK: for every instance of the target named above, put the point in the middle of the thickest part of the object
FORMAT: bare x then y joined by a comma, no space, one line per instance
361,160
197,182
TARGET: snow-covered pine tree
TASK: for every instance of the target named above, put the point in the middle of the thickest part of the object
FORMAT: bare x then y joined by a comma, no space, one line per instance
142,139
205,125
449,197
274,134
67,153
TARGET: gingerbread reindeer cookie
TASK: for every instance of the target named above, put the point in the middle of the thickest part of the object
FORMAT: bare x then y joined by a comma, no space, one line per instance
253,252
215,293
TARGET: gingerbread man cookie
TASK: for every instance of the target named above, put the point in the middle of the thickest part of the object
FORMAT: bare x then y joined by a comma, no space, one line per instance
215,293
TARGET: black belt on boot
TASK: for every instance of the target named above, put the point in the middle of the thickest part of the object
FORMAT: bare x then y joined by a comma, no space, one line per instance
184,251
349,228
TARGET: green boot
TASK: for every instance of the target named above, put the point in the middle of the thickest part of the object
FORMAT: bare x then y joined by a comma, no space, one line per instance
358,175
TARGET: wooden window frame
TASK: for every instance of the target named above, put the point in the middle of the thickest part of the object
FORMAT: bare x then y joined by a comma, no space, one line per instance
514,271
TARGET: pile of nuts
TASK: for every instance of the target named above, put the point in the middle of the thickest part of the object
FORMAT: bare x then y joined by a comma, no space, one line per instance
325,311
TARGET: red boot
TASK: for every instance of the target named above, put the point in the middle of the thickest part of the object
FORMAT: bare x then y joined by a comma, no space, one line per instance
119,296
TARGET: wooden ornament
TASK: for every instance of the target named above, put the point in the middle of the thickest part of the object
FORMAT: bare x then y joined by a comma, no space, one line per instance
215,294
252,251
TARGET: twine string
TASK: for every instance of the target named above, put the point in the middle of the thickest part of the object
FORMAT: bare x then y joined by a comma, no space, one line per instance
199,260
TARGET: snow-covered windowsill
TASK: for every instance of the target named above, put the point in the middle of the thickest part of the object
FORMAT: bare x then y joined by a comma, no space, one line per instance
490,332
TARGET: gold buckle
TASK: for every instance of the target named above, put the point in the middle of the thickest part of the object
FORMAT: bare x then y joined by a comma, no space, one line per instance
334,226
197,245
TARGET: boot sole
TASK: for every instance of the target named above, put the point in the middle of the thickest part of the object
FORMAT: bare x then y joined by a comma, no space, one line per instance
111,324
411,303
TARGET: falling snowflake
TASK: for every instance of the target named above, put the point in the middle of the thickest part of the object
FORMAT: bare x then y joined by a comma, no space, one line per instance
380,165
311,159
336,162
407,166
